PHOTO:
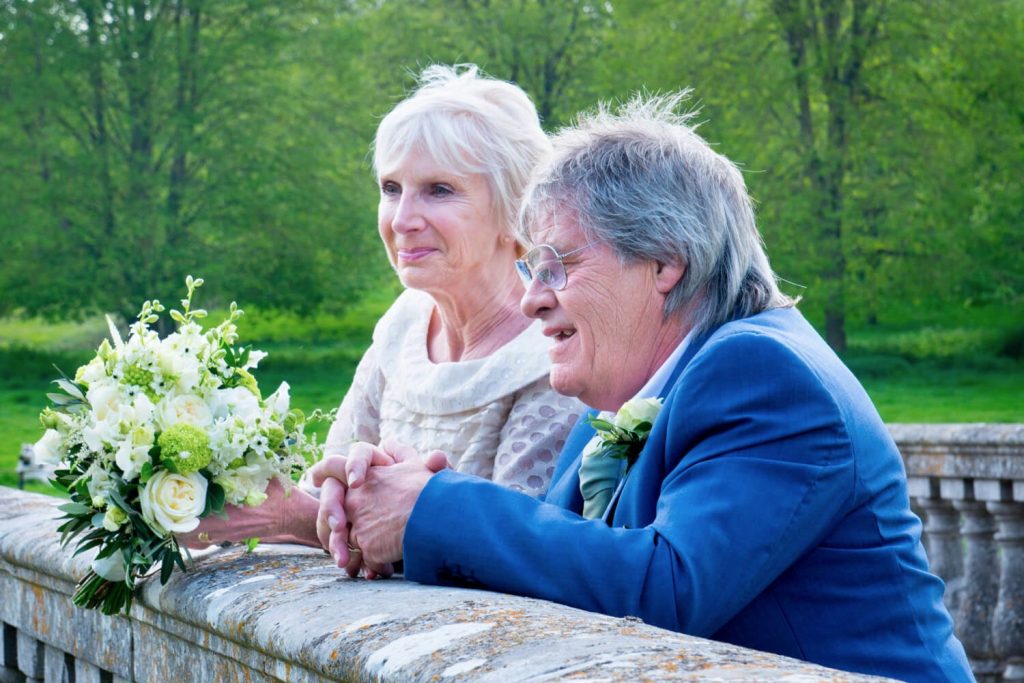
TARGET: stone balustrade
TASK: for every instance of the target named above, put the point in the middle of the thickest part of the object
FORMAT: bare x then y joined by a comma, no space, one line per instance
967,483
286,613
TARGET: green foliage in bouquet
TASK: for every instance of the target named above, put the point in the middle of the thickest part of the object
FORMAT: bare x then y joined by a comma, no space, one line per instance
153,434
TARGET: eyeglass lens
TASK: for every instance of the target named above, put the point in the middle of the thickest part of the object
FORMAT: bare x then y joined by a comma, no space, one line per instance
542,262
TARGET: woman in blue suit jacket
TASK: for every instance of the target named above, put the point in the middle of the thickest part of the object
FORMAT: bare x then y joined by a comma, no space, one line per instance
768,506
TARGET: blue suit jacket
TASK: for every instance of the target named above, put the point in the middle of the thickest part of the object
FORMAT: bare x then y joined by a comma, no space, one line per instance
768,509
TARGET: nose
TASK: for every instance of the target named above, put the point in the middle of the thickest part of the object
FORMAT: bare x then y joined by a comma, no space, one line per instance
537,300
406,216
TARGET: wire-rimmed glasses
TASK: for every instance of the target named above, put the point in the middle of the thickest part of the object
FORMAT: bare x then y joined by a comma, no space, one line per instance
545,264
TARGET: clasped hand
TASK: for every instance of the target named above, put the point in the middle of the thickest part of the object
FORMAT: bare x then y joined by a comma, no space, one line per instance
366,498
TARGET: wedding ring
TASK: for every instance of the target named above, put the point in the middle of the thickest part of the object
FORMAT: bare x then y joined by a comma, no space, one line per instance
203,537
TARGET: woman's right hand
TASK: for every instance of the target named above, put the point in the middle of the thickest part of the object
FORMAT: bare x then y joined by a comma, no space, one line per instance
335,475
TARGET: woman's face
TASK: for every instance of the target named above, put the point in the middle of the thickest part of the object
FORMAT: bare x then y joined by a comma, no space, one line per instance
440,229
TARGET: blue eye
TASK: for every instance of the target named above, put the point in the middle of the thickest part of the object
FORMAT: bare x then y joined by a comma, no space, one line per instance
389,188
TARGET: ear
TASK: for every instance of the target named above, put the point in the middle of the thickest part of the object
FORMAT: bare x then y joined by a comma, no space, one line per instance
668,275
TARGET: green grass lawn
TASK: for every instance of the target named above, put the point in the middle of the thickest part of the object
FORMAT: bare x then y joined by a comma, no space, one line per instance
928,374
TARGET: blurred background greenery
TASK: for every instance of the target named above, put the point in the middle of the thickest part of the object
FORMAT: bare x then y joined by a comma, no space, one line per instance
143,140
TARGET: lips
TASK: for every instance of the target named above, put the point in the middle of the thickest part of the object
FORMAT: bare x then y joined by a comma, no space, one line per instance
562,349
414,253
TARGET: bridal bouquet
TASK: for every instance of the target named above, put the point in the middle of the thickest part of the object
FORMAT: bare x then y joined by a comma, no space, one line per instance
153,434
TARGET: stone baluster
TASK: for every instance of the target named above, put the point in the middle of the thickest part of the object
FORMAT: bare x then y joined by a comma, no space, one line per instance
9,654
941,537
981,580
58,665
1008,619
30,657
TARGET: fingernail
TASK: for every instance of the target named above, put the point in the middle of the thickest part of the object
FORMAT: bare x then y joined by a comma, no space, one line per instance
332,522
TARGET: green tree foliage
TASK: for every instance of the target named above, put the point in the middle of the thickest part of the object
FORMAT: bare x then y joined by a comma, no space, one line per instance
152,138
143,139
879,138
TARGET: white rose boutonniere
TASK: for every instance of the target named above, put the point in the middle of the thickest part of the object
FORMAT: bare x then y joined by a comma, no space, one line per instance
620,437
623,435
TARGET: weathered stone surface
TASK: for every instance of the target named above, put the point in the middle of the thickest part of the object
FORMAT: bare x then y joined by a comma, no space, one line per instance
55,666
285,613
30,655
981,451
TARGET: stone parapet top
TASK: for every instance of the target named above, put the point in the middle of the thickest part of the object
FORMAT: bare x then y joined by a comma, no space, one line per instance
966,451
285,612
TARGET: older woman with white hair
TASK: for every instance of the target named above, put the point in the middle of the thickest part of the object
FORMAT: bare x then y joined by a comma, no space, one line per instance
757,497
454,365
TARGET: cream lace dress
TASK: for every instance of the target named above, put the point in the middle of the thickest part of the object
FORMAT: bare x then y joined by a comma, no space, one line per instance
495,417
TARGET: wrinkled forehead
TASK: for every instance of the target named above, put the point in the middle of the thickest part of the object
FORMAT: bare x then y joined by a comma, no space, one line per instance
556,226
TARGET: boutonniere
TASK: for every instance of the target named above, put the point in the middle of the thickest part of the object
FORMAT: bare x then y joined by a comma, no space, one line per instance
620,437
623,435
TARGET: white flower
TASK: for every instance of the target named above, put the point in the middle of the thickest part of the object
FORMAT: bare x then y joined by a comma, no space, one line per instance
104,398
95,371
47,449
236,402
187,408
247,482
179,372
637,411
279,401
189,339
130,458
98,483
110,568
114,518
254,359
172,503
97,436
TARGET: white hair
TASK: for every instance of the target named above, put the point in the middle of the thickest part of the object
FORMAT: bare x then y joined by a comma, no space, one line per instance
644,182
471,124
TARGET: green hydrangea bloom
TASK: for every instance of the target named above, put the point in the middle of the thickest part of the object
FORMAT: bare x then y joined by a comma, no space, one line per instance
142,378
137,376
187,445
245,379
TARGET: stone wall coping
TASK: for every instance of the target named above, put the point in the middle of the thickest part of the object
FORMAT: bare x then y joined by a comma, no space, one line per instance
962,451
285,612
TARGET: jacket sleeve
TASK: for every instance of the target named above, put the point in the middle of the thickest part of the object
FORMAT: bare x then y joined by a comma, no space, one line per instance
747,468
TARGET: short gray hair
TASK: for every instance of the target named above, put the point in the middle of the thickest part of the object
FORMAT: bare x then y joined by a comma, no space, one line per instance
471,124
644,182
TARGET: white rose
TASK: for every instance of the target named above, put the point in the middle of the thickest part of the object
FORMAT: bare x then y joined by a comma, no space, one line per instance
636,411
110,568
187,408
95,371
172,503
104,399
47,449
